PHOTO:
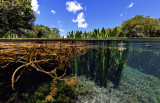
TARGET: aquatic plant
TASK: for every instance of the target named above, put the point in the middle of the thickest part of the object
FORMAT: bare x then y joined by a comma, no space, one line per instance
48,57
71,82
103,62
53,90
65,93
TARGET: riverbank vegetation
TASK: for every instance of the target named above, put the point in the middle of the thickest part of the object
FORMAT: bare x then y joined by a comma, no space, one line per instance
17,21
138,26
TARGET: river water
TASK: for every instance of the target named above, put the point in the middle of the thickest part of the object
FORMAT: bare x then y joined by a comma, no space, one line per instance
80,71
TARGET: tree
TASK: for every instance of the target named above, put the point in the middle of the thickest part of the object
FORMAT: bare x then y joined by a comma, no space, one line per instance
95,33
72,34
56,30
85,34
141,26
39,34
108,32
78,34
98,34
16,16
103,32
42,31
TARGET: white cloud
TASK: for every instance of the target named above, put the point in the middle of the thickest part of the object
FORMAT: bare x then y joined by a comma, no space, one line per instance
131,5
85,8
53,11
121,15
80,20
61,30
73,6
35,6
60,23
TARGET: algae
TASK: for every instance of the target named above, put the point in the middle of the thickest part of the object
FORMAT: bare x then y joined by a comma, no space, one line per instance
65,93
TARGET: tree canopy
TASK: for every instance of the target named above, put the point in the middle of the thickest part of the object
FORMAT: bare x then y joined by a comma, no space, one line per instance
55,30
16,16
140,26
41,31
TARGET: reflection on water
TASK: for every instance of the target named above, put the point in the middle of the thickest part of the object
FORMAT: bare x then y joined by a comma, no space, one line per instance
95,71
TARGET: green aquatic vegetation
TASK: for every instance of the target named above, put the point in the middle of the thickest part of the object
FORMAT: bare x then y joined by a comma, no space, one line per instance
145,61
143,88
76,66
103,59
65,93
103,62
40,94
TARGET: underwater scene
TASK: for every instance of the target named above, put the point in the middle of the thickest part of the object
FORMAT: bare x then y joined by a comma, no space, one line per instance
80,71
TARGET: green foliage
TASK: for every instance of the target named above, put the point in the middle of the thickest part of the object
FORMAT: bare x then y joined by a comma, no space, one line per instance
9,35
103,32
78,34
70,34
55,30
40,94
95,33
41,31
103,65
112,32
66,94
17,19
16,16
89,35
137,26
115,32
141,26
85,34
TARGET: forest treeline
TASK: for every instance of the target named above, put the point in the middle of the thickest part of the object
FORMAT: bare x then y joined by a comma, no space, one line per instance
17,21
138,26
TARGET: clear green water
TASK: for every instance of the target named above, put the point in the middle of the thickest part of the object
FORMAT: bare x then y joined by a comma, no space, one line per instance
106,72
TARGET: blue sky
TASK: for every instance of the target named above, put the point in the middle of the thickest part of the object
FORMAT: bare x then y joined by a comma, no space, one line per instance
68,15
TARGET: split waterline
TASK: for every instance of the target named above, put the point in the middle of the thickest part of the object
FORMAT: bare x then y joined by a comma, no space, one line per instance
78,71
